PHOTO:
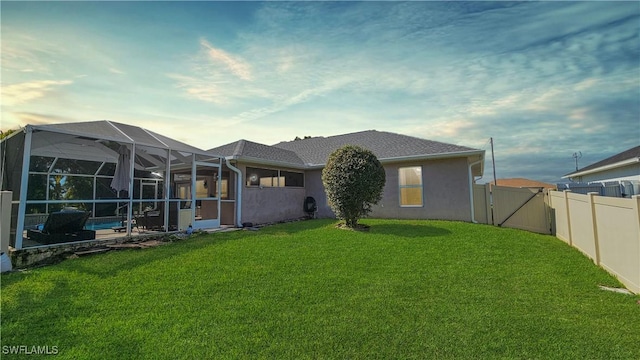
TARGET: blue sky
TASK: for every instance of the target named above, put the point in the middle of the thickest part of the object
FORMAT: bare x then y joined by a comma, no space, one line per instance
544,79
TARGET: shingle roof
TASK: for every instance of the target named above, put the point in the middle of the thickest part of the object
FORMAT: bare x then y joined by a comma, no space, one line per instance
385,145
248,150
633,153
524,183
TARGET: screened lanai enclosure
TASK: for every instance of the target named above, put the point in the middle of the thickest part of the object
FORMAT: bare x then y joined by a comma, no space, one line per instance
98,180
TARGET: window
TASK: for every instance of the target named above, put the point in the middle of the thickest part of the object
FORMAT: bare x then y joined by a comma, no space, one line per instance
292,179
225,191
273,178
262,177
410,181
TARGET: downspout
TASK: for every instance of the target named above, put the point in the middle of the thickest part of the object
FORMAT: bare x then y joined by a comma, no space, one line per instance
238,190
473,213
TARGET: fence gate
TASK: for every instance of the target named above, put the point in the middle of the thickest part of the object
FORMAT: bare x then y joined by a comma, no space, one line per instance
520,208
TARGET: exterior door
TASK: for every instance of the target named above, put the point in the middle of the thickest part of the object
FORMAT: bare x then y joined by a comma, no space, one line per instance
206,192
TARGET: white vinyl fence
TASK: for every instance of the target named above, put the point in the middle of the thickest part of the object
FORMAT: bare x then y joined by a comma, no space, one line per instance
606,229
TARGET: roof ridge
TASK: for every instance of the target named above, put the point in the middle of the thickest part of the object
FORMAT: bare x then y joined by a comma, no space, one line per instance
239,147
370,131
300,140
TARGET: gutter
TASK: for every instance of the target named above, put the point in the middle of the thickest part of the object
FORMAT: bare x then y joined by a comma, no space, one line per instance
258,161
434,156
415,158
473,213
239,191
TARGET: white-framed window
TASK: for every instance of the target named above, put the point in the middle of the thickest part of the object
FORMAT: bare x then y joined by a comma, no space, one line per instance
410,183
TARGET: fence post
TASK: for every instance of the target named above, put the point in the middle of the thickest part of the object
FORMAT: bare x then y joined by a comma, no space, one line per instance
594,223
636,207
566,204
487,197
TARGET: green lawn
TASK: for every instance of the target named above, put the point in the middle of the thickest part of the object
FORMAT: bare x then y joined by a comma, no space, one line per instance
406,289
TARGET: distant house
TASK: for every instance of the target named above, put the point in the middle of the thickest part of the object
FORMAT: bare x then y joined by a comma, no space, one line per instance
619,167
622,168
424,179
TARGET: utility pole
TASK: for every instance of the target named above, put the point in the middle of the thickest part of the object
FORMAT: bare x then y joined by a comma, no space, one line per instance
493,161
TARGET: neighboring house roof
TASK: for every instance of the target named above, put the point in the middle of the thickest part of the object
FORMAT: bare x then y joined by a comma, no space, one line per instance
524,183
251,151
385,145
624,158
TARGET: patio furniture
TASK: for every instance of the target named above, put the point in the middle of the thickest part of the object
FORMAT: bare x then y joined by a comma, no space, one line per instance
123,225
154,219
63,226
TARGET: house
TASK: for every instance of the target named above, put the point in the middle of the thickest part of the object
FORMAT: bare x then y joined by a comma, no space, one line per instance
618,175
424,179
120,176
624,166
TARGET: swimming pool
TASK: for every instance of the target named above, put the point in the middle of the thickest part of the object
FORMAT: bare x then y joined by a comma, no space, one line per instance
102,226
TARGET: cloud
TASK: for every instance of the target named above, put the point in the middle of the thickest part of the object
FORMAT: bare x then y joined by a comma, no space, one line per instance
28,91
235,64
116,71
24,54
217,77
30,118
199,88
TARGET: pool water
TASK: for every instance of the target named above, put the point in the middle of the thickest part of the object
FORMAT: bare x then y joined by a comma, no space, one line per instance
102,226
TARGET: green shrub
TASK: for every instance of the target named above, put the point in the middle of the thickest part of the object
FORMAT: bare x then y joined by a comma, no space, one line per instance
353,180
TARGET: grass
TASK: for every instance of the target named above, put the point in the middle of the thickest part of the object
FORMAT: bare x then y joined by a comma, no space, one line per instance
405,289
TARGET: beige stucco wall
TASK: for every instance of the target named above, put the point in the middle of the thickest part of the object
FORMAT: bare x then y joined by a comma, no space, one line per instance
270,204
445,192
315,189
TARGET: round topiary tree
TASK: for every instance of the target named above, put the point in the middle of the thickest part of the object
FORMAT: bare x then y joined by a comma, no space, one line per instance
353,180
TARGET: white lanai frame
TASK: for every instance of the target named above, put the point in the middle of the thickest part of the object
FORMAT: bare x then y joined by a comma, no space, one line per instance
84,141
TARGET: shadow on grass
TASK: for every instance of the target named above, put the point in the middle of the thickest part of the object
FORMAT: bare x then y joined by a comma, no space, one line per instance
297,226
409,230
36,309
45,315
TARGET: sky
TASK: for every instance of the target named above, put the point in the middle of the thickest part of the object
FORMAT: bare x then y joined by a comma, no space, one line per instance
545,80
